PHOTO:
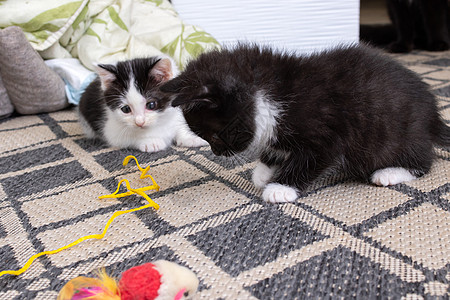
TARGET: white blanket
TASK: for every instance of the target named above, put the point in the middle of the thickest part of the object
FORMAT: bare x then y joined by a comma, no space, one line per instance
104,31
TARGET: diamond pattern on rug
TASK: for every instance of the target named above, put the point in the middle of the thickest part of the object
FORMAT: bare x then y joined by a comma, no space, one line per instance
352,203
56,208
197,202
51,177
344,239
258,238
39,156
339,273
418,234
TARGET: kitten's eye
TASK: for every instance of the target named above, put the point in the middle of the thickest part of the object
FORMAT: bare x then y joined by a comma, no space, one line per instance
125,109
151,105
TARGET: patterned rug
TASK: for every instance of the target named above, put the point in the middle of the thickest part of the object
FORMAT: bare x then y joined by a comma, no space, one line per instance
343,240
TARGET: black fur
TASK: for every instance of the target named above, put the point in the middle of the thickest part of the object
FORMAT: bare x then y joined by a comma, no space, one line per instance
351,105
416,24
94,100
92,106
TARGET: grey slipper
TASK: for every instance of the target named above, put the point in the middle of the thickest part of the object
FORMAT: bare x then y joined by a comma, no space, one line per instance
6,107
32,86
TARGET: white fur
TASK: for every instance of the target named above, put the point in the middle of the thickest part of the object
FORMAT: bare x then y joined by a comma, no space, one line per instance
266,115
391,176
185,137
278,193
160,129
143,129
262,175
137,103
88,131
174,278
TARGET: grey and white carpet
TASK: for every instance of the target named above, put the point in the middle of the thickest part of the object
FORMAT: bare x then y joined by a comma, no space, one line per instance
343,240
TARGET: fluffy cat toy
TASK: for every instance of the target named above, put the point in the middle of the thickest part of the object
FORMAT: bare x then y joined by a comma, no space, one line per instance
160,280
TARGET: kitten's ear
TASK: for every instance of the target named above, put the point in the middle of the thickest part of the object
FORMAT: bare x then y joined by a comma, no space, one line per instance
107,74
162,71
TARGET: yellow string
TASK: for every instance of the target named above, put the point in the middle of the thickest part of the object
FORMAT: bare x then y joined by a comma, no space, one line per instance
144,175
139,191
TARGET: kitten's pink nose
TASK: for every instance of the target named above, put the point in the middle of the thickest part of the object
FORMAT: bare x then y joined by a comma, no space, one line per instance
139,121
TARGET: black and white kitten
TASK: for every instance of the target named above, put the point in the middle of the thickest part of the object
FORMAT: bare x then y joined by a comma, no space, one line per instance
300,115
119,108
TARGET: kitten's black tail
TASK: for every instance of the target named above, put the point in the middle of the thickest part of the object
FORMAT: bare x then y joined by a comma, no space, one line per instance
442,138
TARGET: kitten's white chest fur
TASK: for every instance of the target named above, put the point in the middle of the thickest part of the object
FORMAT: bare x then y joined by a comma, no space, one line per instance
266,115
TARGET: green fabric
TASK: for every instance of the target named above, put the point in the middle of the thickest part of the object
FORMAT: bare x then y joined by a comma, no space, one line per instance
105,31
116,18
43,22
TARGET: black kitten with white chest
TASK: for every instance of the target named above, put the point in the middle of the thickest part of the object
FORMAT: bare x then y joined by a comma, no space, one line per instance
351,106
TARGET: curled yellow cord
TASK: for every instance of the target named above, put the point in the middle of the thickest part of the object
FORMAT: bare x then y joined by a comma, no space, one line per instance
132,191
139,191
144,175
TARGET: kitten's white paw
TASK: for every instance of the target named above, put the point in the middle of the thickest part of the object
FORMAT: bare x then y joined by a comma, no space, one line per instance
391,176
191,141
278,193
262,175
153,145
